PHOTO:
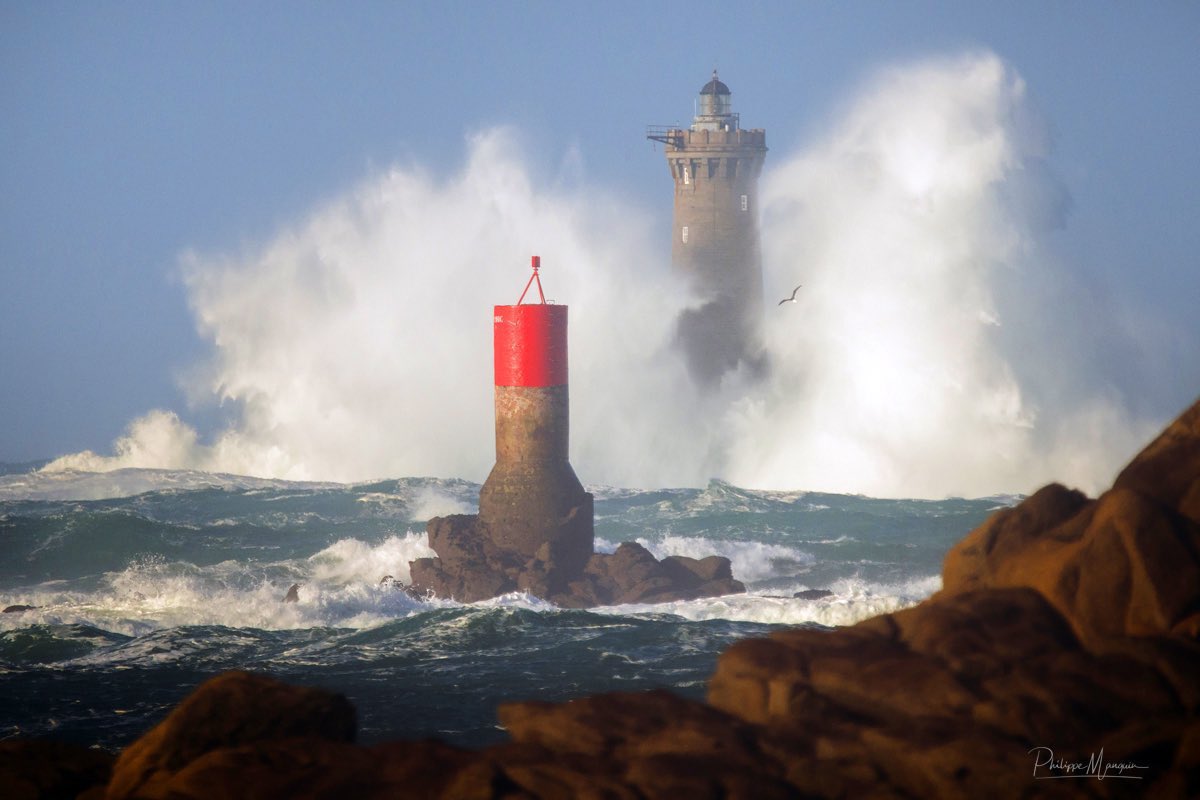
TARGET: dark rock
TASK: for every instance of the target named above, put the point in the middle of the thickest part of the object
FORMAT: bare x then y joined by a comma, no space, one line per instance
47,769
17,609
229,711
632,564
711,568
662,745
293,594
632,574
314,767
471,566
467,584
812,594
460,540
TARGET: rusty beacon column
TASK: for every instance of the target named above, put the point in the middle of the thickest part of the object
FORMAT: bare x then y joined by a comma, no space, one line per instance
715,164
532,502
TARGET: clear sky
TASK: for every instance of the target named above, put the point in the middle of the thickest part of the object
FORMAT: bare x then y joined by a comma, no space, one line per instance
133,133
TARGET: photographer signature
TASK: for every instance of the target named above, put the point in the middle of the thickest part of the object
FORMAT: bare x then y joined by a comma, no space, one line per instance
1047,766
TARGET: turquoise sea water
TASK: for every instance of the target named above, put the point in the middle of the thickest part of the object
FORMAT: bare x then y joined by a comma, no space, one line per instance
147,582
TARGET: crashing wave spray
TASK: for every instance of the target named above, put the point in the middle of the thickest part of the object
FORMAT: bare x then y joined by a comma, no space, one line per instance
892,373
352,346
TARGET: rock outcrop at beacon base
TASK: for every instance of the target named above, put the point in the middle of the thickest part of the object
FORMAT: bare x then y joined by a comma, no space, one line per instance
1060,659
472,566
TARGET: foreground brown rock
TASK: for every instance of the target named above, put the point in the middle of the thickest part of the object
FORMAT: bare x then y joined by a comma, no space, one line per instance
1123,564
1063,646
232,711
45,769
472,566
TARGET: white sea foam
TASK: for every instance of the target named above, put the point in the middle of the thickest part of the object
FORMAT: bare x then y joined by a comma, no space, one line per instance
351,560
751,561
843,539
602,545
431,502
517,600
853,600
339,586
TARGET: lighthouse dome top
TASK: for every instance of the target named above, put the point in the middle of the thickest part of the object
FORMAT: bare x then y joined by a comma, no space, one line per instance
714,109
714,86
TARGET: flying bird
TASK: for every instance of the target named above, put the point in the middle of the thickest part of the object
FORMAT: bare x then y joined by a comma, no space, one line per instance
791,299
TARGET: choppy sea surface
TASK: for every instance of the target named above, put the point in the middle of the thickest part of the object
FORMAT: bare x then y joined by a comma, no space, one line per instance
143,583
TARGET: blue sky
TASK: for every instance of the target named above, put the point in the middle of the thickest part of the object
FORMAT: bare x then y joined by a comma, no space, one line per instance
132,133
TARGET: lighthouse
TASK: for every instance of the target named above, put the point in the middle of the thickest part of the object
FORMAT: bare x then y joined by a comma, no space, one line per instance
715,166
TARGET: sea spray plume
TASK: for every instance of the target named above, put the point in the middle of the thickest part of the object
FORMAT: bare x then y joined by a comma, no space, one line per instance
891,380
158,439
934,349
357,343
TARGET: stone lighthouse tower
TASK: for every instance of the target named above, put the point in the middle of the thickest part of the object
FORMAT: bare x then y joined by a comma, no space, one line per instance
715,165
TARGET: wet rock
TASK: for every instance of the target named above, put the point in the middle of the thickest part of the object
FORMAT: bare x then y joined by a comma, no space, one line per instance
812,594
17,609
632,574
470,566
472,569
293,594
460,540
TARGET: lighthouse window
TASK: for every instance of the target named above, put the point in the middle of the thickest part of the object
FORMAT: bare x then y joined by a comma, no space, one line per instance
745,203
686,177
683,234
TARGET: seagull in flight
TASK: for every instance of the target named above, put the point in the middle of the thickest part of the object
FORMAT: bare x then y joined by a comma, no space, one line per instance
791,299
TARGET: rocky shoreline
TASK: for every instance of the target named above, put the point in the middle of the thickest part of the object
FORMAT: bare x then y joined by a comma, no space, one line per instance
1064,644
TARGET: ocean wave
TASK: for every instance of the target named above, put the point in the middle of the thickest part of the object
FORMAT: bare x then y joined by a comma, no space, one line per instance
411,499
340,586
72,484
852,600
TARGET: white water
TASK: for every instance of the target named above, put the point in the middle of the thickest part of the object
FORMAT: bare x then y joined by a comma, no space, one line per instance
853,600
340,586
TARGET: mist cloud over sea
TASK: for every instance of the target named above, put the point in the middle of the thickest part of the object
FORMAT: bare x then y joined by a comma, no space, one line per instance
938,347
